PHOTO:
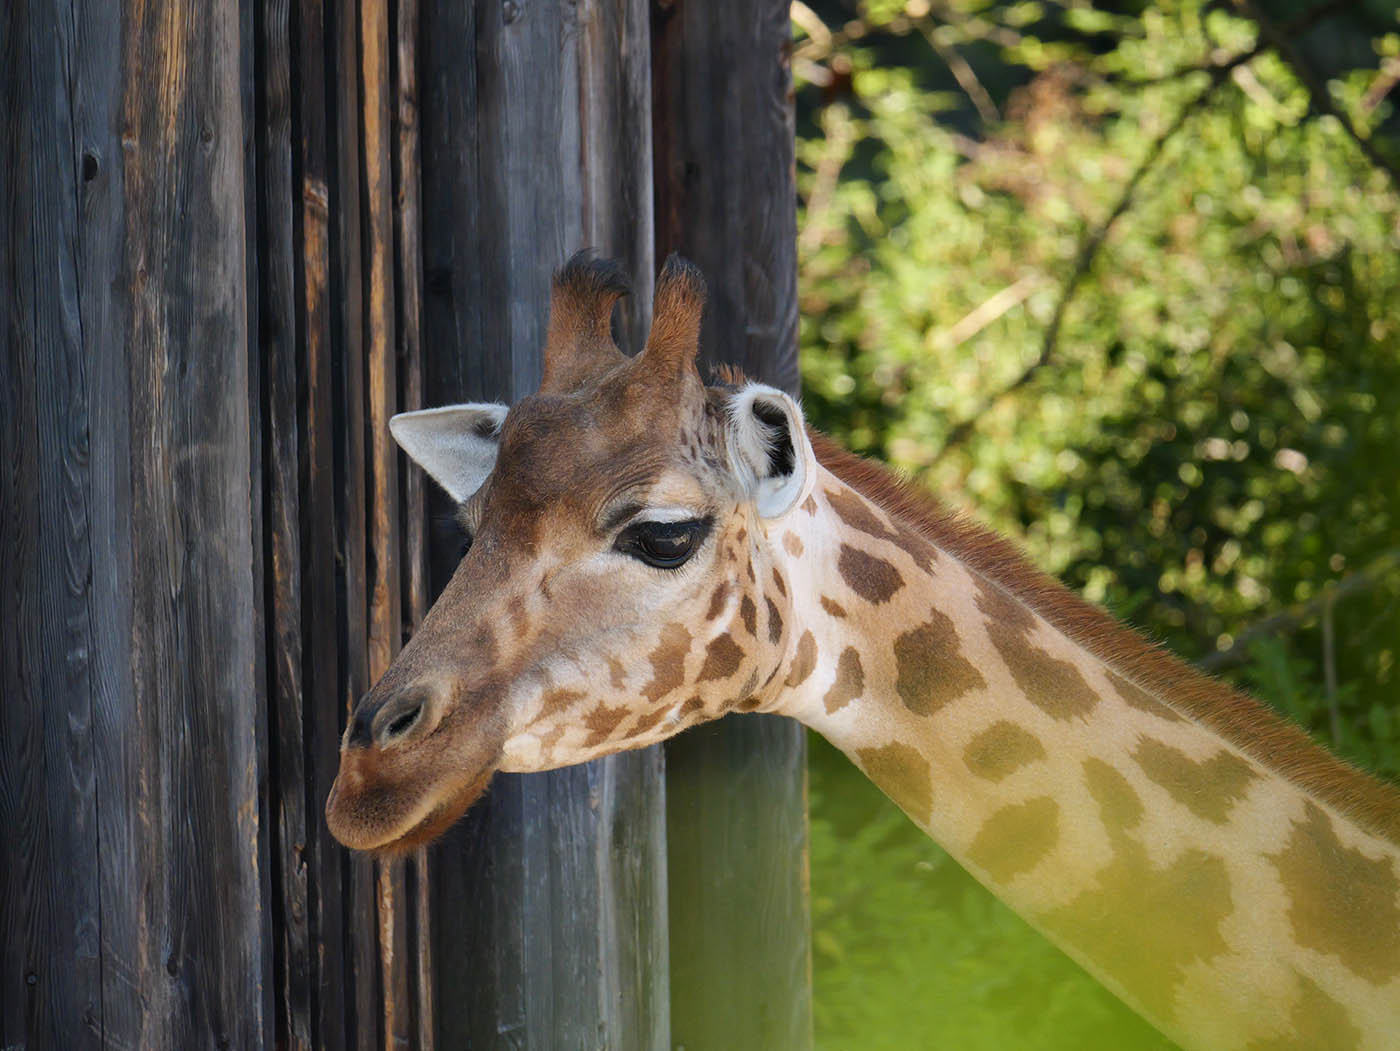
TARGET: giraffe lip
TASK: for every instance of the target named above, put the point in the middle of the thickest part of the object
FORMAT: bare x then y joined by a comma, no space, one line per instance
437,821
373,814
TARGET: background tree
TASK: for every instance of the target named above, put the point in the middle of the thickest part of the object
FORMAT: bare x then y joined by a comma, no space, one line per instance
1123,281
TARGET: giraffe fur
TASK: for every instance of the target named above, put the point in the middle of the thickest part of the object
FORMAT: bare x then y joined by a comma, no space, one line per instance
649,553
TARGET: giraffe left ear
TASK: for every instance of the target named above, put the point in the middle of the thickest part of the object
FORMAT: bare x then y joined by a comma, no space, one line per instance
455,444
769,450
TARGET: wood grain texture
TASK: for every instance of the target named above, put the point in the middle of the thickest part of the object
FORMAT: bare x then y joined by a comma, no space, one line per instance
50,980
383,556
215,238
736,790
330,981
408,278
282,548
126,364
349,324
549,898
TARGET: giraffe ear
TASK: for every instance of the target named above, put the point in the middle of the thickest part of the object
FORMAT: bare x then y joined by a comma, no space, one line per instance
769,451
455,444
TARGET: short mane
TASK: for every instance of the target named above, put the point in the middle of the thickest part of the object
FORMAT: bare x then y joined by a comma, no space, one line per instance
1240,719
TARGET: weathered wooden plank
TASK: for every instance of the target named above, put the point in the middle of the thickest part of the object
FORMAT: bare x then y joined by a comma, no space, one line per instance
103,310
381,463
408,275
547,932
282,557
183,854
736,791
349,321
50,980
325,859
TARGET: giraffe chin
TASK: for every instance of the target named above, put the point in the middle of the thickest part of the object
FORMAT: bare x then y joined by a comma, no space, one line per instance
437,821
364,837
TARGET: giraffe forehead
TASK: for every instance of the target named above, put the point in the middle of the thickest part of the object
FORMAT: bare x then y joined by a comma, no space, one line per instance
585,449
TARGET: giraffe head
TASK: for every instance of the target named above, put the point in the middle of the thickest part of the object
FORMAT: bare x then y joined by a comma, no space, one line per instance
619,584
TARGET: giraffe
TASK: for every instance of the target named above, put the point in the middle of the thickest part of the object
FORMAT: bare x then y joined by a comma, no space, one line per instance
648,552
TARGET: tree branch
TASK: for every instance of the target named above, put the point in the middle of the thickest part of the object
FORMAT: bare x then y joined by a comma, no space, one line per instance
1293,618
1088,252
1280,39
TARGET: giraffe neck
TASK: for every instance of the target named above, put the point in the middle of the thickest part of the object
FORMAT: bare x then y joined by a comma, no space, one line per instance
1235,884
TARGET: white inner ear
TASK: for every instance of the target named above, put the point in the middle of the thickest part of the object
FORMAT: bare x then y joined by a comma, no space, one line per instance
455,444
768,448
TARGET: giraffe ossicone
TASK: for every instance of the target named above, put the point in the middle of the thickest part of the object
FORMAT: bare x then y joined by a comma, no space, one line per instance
648,553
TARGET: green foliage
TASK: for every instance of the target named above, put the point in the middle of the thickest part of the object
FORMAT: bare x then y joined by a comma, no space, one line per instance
1143,314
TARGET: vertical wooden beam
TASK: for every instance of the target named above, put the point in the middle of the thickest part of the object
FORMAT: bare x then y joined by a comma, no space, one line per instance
280,333
188,846
385,620
50,923
549,897
350,324
736,790
324,859
134,654
408,276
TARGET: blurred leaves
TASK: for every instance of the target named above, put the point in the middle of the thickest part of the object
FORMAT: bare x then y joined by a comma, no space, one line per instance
1123,281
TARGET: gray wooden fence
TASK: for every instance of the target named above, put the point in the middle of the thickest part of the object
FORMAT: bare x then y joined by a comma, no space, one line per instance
237,235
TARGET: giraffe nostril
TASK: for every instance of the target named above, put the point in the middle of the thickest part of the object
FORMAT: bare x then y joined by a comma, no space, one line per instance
400,716
403,722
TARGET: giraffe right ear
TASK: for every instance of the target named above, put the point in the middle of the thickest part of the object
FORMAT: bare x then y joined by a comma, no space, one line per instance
455,444
769,451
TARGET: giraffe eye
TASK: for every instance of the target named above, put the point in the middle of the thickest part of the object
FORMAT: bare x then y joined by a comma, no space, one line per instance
665,545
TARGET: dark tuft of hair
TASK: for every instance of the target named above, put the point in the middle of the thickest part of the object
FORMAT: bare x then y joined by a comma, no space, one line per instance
682,274
589,278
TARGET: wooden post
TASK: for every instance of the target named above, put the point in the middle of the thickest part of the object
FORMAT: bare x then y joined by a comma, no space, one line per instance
214,243
736,790
549,899
135,851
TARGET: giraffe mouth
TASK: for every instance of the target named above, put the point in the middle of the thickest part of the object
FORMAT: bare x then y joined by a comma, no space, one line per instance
437,821
386,820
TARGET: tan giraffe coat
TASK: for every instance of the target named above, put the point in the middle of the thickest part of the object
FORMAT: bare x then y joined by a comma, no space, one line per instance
1233,882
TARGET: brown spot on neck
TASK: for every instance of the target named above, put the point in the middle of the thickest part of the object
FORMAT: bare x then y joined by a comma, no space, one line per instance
792,544
856,513
775,621
722,657
749,615
902,774
779,584
1316,1021
1119,806
1160,921
1016,838
667,662
1137,697
617,674
872,578
849,684
649,720
603,721
1052,685
834,609
853,509
717,600
804,661
1341,902
931,670
1209,789
1002,749
555,701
